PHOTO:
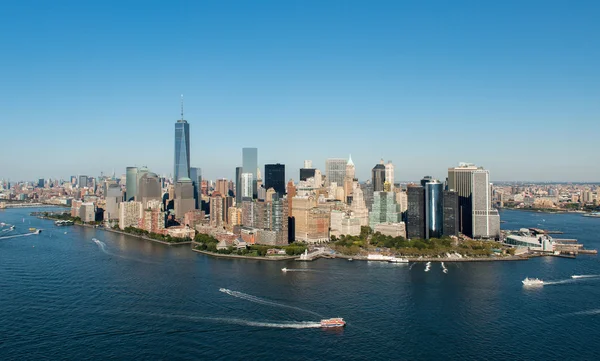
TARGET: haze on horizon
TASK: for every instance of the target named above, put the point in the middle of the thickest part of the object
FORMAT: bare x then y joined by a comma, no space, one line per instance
94,86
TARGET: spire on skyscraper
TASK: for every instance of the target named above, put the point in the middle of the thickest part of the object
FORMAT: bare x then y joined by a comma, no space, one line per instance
350,160
182,108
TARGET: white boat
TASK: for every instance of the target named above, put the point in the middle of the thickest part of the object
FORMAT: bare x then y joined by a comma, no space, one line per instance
532,282
398,260
349,259
378,257
284,269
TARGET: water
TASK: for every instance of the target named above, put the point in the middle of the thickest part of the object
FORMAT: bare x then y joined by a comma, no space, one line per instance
64,296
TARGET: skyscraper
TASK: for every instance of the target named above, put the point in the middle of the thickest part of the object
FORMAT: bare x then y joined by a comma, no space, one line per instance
451,214
250,165
335,171
196,177
434,215
131,181
275,178
378,177
486,221
349,180
460,180
184,197
389,175
247,181
238,186
83,180
385,209
149,189
182,148
308,171
415,225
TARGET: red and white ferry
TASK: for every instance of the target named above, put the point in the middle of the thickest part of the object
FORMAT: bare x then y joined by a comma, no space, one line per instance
333,322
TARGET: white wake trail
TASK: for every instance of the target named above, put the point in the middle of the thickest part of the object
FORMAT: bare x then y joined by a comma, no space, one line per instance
18,235
262,301
584,276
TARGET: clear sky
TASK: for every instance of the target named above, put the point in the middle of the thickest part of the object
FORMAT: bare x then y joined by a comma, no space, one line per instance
514,86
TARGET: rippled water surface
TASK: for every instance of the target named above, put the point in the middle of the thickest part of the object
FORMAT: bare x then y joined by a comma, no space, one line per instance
64,296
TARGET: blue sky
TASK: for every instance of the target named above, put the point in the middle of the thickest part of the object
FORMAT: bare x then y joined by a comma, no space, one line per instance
514,86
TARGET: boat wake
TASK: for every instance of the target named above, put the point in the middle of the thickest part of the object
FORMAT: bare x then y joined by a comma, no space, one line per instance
262,301
102,247
241,322
584,276
427,266
444,269
17,235
298,270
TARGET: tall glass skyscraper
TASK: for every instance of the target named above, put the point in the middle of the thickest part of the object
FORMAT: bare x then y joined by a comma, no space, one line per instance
131,183
196,177
275,178
182,150
434,217
250,165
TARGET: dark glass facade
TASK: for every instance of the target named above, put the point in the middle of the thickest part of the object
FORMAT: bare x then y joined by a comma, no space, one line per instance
415,219
306,173
238,186
182,150
451,214
196,177
378,177
275,178
434,210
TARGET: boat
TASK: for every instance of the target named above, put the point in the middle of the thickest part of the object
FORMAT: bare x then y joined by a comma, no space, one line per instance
398,260
32,229
349,259
333,322
593,214
532,282
284,269
378,257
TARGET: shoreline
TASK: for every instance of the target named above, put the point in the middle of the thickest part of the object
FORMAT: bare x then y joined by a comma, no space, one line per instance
439,259
123,233
233,256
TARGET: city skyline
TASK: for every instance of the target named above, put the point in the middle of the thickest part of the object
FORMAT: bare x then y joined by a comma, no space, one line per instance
501,88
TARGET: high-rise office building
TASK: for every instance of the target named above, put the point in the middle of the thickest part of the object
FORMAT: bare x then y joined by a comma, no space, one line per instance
385,209
83,181
415,218
460,180
451,214
247,184
184,197
250,165
41,183
426,180
358,206
367,189
140,173
149,189
182,148
306,173
275,178
196,177
349,180
238,186
434,210
131,183
389,175
112,197
486,221
335,171
378,177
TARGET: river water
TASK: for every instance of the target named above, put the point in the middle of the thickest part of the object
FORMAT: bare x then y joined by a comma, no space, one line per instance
64,296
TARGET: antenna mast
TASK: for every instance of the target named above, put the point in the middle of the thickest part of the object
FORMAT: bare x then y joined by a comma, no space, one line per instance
182,108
